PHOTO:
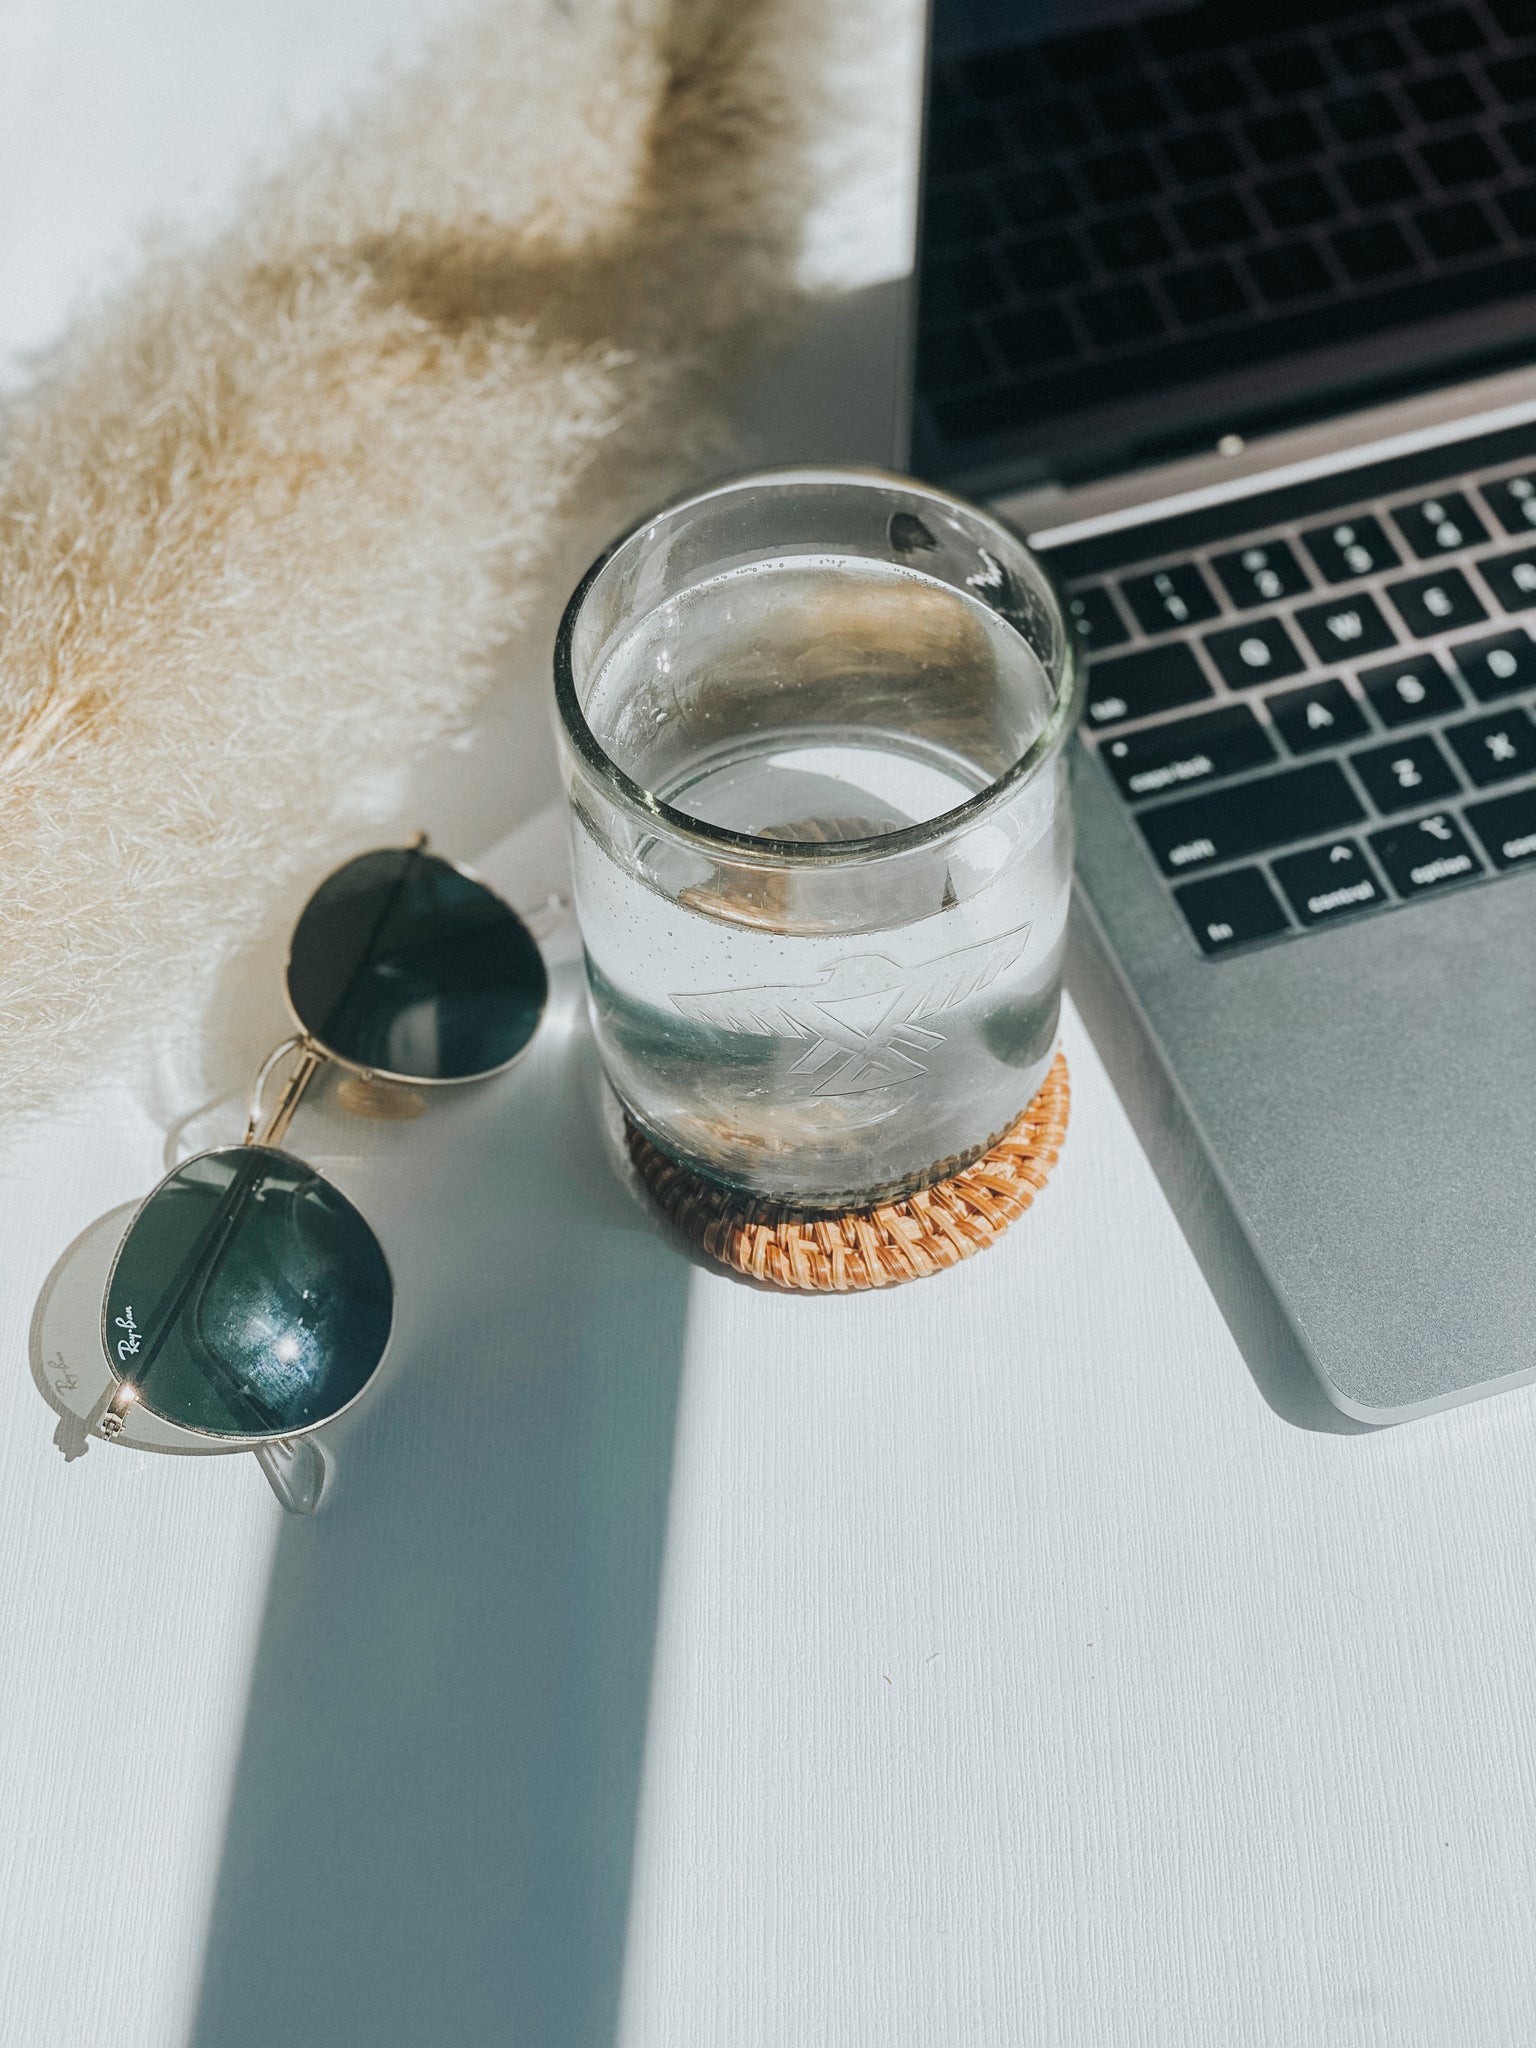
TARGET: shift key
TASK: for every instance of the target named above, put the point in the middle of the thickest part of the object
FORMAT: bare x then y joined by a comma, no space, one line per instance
1136,685
1228,824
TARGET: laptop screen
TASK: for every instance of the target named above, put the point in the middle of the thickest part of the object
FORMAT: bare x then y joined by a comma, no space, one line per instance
1144,229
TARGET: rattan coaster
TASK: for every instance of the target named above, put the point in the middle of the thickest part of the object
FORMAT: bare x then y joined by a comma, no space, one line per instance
816,1254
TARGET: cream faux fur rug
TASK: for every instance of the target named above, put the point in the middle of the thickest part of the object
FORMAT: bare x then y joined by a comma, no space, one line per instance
270,514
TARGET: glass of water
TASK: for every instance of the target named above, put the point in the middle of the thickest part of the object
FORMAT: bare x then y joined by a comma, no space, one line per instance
812,727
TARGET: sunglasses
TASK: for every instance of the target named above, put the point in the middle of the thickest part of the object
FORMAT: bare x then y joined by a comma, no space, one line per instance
249,1300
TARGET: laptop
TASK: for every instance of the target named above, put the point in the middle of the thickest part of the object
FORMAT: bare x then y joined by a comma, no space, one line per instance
1232,311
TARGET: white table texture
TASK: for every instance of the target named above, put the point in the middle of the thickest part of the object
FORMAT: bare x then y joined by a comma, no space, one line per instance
675,1665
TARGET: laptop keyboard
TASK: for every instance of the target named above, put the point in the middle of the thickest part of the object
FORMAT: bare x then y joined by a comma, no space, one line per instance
1128,208
1331,714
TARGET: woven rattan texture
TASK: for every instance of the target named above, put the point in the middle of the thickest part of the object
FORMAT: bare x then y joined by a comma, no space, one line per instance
868,1247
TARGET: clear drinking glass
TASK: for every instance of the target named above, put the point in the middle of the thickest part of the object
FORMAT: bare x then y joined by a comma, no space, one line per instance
812,726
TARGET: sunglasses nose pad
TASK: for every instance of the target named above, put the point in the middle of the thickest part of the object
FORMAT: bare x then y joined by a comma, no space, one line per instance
385,1101
296,1469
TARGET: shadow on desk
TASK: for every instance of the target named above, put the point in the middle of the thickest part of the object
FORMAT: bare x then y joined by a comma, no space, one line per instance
432,1821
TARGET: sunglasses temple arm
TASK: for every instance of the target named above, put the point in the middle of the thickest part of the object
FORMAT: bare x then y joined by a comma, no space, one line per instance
275,1129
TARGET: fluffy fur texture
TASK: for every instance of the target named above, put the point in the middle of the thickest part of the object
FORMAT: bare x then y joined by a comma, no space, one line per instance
267,519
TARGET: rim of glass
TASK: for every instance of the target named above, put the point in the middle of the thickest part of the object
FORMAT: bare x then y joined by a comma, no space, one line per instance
757,849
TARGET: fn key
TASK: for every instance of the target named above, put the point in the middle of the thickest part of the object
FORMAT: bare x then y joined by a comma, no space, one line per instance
1231,910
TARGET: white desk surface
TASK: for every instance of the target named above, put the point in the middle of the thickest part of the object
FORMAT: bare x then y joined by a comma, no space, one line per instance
980,1664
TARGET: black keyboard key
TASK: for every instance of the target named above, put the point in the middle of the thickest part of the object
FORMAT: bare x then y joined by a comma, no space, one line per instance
1459,160
1035,197
957,210
1329,881
1363,117
949,357
1370,49
1118,175
1038,334
1292,270
996,74
1425,855
1204,155
1192,32
1214,221
1130,108
1299,201
1179,596
1513,501
1436,604
1232,910
1046,263
965,283
1188,750
967,143
1350,548
1097,618
1250,817
1520,141
1136,685
1260,652
1291,68
1439,525
1497,748
1448,96
1446,32
1380,250
1346,628
1379,180
1503,665
1120,315
1045,127
1208,291
1281,138
1514,80
1317,715
1260,573
1129,241
1512,579
1405,774
1507,828
1404,692
1209,89
1451,232
1519,209
1090,54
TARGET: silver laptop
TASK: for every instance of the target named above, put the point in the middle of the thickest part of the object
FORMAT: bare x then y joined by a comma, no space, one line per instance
1229,308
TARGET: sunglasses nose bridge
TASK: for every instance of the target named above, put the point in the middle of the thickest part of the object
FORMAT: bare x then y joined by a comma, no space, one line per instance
311,1059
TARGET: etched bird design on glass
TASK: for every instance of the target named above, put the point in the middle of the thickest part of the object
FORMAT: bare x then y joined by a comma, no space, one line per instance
866,1020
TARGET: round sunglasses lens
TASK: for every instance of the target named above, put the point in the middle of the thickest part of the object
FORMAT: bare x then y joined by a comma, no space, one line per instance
403,966
249,1298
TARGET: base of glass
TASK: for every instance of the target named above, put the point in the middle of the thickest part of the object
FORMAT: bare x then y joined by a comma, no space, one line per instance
833,1202
866,1245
